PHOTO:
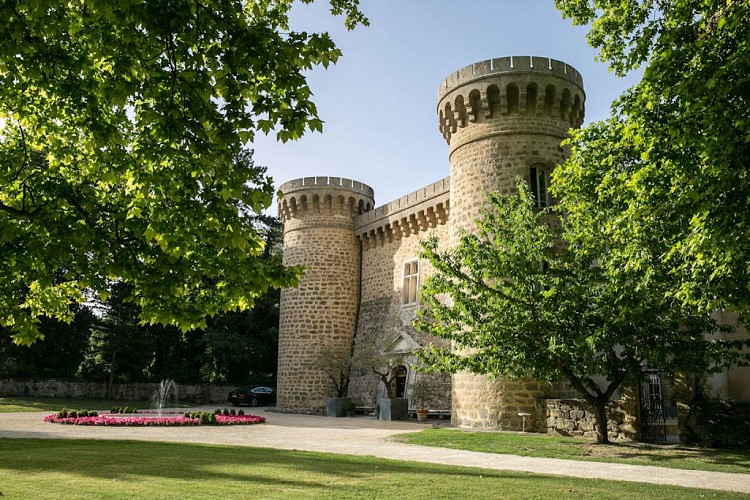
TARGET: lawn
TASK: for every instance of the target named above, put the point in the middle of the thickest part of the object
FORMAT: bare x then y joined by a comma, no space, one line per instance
116,469
24,404
538,445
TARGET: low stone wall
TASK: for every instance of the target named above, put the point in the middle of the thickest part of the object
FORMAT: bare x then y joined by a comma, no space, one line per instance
716,424
575,417
186,393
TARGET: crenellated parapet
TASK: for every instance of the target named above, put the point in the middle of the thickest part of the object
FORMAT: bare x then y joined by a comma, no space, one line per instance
414,213
542,92
324,196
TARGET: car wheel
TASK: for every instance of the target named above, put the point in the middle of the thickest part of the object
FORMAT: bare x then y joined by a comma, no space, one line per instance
254,402
235,403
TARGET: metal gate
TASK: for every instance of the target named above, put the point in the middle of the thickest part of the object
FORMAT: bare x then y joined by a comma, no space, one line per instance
653,416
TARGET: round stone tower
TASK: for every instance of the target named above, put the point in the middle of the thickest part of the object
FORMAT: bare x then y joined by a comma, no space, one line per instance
318,215
503,118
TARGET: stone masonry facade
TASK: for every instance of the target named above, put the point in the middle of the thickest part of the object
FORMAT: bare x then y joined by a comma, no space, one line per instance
502,119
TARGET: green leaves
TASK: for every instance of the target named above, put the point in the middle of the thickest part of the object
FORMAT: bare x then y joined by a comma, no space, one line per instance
121,150
532,294
668,170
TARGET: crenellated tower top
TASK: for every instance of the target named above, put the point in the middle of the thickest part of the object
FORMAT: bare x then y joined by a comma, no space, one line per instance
324,196
512,89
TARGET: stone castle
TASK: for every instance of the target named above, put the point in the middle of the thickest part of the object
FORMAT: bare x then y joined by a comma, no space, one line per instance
502,118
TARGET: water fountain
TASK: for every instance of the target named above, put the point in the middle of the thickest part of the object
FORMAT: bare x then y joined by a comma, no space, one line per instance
167,388
164,394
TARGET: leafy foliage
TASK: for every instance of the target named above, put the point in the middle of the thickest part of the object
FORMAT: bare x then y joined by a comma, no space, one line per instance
668,171
238,347
122,124
522,297
235,347
59,356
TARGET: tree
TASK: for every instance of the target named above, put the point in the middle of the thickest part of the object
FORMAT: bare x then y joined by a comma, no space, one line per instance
373,353
670,166
517,299
119,349
59,356
336,364
122,125
237,346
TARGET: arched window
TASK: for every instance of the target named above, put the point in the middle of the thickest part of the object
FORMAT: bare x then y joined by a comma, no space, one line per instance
539,180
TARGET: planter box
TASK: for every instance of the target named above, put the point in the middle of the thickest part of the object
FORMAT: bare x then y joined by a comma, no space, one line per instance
394,409
337,407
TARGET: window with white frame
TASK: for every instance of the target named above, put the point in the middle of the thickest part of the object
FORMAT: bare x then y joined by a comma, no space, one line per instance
539,181
411,282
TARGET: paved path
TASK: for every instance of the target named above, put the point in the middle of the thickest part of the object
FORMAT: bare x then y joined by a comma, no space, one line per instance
364,436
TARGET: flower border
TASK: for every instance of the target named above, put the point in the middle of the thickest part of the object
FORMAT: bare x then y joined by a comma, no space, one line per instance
143,420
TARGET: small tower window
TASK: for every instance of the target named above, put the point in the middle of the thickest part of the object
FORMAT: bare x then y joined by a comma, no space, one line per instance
411,282
539,182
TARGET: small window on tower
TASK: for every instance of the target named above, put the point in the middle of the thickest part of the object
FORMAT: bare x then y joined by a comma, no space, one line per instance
539,182
411,282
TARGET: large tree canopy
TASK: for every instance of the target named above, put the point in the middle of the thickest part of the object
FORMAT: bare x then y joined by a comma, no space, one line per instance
122,127
516,299
668,171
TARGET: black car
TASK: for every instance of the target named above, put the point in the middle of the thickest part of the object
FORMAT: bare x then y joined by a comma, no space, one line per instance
258,395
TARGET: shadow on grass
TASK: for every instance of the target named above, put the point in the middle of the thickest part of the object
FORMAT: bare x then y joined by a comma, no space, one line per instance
670,456
95,469
679,457
126,460
23,404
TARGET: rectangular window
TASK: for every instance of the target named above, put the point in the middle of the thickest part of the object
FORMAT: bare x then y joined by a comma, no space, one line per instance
411,282
538,179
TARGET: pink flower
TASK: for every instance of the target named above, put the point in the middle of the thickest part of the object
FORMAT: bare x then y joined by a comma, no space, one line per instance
151,419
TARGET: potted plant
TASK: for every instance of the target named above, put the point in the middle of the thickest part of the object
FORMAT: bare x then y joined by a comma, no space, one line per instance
420,393
336,364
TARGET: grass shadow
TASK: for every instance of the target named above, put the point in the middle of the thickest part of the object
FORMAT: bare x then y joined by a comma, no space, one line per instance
138,468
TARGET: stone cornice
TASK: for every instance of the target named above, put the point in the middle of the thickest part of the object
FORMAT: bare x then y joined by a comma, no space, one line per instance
416,212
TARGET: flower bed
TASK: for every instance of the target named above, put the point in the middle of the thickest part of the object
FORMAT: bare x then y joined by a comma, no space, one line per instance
153,419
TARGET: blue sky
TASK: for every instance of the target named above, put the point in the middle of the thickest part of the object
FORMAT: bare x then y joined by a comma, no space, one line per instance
379,101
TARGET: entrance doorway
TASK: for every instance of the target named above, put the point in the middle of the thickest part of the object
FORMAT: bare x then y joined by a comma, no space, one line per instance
400,380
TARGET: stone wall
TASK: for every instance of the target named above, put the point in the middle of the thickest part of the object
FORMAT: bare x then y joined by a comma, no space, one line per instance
575,417
383,316
61,388
716,424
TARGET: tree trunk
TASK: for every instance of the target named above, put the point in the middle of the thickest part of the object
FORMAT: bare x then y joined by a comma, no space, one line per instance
602,433
390,388
111,381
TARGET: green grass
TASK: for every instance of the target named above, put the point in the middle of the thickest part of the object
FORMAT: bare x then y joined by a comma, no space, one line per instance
537,445
116,469
24,404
